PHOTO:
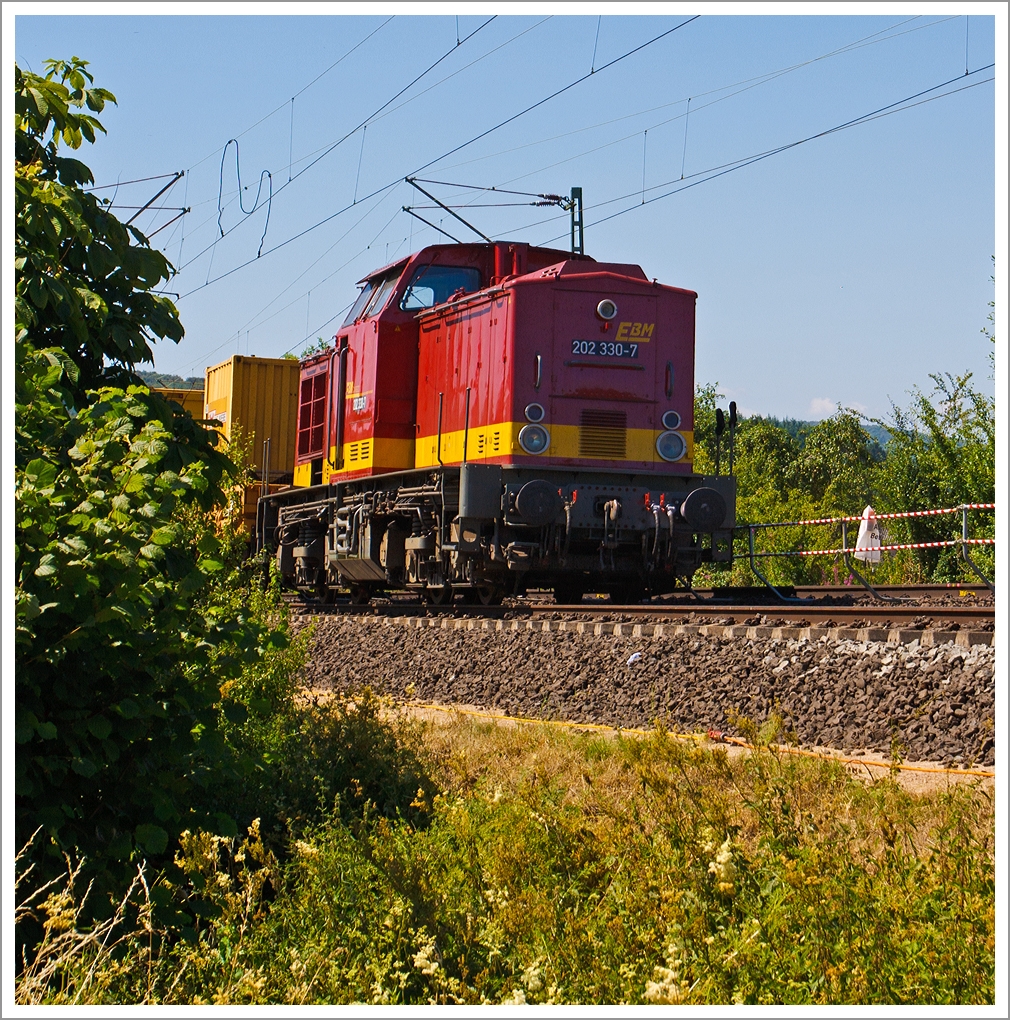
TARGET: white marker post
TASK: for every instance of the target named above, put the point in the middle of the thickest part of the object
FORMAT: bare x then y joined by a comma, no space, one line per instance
868,540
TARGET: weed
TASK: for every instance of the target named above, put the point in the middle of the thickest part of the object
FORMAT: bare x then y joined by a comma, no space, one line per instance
554,867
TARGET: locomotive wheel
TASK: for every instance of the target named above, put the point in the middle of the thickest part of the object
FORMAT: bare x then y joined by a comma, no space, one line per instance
483,595
440,596
489,594
361,594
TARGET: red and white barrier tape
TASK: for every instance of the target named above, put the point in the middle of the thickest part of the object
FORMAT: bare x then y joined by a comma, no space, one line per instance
875,517
932,513
880,548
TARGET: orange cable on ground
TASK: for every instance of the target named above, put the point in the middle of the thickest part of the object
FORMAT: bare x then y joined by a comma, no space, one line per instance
861,761
713,735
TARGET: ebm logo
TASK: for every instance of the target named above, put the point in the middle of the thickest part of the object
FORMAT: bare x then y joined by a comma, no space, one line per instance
640,331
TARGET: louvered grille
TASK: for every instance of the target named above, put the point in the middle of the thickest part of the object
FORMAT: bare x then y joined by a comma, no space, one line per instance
358,452
603,434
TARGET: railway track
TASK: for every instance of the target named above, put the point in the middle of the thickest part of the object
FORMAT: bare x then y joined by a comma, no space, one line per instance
930,690
825,606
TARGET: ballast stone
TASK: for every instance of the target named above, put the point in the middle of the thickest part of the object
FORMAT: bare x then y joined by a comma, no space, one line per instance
844,694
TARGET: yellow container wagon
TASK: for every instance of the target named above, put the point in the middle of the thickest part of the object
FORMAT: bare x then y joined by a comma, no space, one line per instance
191,400
258,396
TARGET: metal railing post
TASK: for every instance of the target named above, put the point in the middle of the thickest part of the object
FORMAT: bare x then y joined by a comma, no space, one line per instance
964,552
751,529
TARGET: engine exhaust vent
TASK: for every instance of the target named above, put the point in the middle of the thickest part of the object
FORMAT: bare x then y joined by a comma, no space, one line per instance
603,434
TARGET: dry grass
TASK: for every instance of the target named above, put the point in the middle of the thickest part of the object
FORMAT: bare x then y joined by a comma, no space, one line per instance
557,866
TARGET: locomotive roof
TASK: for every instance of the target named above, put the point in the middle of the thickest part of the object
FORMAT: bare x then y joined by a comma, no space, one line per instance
398,264
436,248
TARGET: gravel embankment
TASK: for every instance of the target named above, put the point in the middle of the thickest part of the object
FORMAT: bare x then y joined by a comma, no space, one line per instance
938,702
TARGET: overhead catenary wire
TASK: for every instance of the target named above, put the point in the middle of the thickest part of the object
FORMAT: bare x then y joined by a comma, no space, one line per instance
498,189
741,86
465,67
388,102
457,148
855,122
442,81
719,170
617,141
647,190
726,168
554,95
872,39
251,324
413,98
304,88
869,40
294,237
259,187
349,134
315,262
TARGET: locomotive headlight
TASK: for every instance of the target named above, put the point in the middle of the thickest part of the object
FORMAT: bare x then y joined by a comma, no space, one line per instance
671,420
534,412
670,446
534,438
606,310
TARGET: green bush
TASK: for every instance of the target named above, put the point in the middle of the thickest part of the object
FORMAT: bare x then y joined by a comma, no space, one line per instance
120,649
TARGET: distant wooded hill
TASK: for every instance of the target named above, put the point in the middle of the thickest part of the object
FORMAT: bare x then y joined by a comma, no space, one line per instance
799,429
175,382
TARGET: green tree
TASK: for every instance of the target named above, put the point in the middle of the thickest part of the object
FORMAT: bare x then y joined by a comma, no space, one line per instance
942,453
84,280
765,456
120,649
318,346
706,396
836,465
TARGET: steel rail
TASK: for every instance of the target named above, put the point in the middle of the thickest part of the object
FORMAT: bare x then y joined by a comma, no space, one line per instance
845,615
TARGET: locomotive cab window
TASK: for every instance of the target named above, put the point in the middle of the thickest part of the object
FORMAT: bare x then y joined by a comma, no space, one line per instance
431,285
381,295
372,298
359,303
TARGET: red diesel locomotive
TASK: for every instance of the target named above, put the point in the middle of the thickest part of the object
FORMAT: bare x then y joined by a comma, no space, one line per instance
497,417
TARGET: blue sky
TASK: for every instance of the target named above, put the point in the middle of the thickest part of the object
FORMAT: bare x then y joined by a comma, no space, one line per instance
843,270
